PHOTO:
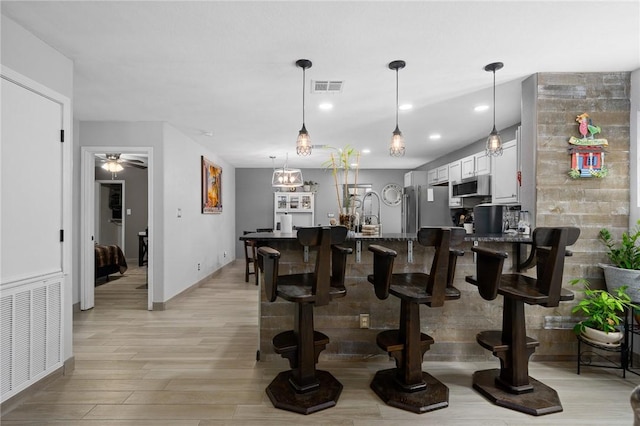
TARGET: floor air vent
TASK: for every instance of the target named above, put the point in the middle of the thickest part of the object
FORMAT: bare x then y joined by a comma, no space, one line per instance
31,339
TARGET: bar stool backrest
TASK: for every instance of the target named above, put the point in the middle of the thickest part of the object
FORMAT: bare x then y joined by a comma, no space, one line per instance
442,239
322,238
550,245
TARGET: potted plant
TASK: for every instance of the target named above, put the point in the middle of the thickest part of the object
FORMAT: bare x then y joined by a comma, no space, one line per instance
604,312
346,160
625,256
310,186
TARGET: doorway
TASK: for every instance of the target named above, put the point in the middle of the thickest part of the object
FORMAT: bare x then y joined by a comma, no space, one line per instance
110,223
90,235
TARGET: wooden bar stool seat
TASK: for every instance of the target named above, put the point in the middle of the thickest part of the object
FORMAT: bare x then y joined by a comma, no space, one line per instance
511,386
304,389
407,386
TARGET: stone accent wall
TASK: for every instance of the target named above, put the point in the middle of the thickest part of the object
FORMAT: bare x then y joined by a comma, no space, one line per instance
588,203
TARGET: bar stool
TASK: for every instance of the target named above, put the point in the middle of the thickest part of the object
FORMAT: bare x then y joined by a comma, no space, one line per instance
511,386
407,386
303,389
250,256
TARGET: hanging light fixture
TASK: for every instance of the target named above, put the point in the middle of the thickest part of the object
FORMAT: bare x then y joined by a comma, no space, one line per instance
397,140
285,177
494,142
303,144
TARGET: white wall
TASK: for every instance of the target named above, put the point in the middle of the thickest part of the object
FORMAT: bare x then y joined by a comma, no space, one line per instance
25,54
195,237
179,244
634,152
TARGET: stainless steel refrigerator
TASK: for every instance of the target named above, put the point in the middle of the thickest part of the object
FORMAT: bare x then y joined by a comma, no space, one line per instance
425,206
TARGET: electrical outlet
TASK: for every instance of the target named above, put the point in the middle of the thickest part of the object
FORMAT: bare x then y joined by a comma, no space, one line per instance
364,320
198,266
224,254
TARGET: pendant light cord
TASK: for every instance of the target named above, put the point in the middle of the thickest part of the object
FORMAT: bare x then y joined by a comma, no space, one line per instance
494,99
304,71
397,102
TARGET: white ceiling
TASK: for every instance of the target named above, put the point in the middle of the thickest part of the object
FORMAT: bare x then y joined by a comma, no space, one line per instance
228,67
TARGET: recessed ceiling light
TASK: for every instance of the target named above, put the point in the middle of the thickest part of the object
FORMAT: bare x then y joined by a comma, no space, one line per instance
435,136
366,151
325,106
481,108
405,107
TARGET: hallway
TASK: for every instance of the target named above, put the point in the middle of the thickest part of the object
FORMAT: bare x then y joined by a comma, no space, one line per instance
194,365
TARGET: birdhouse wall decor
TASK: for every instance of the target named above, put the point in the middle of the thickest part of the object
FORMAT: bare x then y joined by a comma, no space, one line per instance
587,153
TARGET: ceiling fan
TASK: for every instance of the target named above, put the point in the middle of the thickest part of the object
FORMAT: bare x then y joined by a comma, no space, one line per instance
115,162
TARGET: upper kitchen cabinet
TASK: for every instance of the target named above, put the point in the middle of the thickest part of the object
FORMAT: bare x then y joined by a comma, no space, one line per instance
483,163
468,167
505,185
475,165
455,175
438,176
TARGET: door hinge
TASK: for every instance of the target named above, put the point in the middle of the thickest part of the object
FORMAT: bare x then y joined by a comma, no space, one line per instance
61,135
61,235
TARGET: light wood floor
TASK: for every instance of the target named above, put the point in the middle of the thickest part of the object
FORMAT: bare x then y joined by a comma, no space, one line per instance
194,364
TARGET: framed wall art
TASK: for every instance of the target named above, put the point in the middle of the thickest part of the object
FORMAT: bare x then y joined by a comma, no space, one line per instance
211,187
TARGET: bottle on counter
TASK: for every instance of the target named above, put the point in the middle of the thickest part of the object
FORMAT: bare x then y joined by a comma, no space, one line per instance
524,225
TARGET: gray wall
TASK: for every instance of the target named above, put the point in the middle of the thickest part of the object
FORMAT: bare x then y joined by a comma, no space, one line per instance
254,198
136,199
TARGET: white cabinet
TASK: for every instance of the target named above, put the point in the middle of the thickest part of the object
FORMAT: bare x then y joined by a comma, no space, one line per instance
505,186
468,166
455,174
483,163
415,178
438,176
443,174
300,205
475,165
432,177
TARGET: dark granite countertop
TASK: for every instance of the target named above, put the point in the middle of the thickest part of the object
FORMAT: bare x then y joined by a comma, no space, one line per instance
281,236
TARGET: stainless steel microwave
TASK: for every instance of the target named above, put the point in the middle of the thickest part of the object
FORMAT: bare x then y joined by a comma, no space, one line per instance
477,186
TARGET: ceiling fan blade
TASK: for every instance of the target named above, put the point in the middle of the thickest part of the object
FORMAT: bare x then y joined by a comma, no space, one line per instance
128,163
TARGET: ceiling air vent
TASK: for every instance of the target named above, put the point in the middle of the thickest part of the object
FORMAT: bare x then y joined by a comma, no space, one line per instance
327,86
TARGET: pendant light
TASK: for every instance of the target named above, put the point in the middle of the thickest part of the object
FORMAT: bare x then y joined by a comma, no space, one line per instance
397,140
285,177
303,144
494,142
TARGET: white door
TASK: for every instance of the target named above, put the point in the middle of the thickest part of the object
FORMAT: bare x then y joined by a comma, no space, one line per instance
32,179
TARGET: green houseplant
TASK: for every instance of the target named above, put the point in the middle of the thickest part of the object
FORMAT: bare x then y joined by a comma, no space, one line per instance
603,311
342,163
625,256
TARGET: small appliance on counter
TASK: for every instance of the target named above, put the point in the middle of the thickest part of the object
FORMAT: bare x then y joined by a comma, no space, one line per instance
489,218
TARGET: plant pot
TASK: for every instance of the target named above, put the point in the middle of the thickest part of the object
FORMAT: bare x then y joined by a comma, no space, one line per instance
617,277
612,338
347,220
307,188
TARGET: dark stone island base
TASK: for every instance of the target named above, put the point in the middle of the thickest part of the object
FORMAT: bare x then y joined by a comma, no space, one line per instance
453,326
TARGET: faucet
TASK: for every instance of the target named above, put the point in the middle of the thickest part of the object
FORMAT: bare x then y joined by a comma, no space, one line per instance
366,218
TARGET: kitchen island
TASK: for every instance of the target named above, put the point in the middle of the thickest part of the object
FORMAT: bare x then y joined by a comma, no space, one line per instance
453,326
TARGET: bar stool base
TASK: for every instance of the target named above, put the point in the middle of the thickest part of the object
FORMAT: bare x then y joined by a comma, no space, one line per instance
284,396
434,397
542,400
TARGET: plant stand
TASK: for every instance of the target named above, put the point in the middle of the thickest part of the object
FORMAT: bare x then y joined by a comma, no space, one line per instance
591,354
